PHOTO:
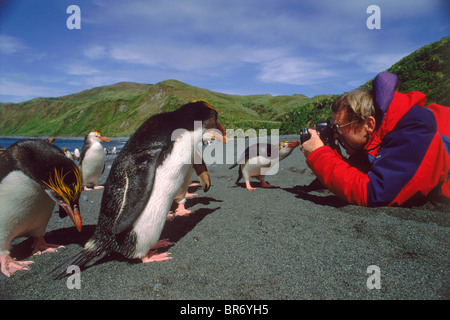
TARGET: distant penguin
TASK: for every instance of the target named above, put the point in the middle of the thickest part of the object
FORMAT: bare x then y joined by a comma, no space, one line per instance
68,153
50,140
92,160
33,176
76,153
144,180
263,156
202,172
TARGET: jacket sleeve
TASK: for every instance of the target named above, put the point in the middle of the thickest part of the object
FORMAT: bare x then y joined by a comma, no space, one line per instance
397,162
345,181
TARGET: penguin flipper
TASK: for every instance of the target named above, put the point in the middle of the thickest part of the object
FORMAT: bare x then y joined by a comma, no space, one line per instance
203,174
136,197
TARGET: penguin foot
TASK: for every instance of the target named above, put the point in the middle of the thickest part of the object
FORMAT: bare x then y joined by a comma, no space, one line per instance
266,185
40,246
190,195
154,257
248,185
162,244
10,265
94,187
182,211
193,184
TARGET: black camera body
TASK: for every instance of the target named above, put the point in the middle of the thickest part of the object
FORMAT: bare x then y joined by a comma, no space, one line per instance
324,130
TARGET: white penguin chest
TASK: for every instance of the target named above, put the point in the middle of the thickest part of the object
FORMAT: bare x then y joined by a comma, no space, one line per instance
93,163
169,178
25,207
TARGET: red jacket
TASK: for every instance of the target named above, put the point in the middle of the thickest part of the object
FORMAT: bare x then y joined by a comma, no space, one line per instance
410,152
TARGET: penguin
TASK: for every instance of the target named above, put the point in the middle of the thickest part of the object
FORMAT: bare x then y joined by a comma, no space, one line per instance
76,154
68,153
92,159
143,182
50,140
264,156
34,175
202,172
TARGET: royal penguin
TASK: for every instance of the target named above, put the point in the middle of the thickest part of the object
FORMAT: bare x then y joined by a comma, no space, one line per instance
143,182
34,175
68,153
92,160
202,172
76,154
259,158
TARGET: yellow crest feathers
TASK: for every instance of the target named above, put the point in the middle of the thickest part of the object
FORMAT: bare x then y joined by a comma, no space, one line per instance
68,193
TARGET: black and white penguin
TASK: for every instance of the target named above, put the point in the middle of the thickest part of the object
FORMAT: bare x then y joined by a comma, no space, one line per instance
258,158
76,154
33,176
202,172
143,182
92,159
68,153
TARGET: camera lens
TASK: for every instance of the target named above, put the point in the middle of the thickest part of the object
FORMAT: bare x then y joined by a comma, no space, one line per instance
304,135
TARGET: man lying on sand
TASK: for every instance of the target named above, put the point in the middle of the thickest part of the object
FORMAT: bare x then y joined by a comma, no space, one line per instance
399,149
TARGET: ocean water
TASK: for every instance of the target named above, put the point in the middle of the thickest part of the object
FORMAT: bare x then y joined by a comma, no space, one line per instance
71,144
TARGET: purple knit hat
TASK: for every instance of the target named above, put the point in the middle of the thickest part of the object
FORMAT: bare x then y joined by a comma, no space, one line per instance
383,88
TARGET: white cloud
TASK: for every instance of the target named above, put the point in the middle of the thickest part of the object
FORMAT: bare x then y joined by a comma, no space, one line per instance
22,91
297,71
81,70
171,56
380,62
95,52
10,45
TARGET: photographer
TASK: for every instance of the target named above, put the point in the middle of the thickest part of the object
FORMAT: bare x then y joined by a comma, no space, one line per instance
398,149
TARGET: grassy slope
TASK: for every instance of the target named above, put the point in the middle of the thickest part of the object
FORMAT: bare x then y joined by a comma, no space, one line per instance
119,109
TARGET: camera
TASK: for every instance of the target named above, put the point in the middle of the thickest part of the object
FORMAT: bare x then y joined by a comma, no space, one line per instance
324,129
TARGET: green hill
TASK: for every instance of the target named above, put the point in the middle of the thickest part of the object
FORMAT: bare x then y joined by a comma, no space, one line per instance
426,70
118,110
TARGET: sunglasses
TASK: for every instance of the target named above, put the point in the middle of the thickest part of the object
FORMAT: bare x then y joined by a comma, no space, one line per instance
337,127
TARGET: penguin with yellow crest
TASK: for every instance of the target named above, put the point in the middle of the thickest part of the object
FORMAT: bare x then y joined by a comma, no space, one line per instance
34,175
92,159
152,169
259,158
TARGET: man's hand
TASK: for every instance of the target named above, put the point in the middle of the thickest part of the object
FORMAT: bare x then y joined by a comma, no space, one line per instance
312,144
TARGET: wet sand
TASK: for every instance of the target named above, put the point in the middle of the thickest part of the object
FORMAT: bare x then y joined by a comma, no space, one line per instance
285,243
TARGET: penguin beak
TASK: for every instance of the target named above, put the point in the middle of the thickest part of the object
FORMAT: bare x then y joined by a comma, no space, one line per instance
202,173
104,139
222,138
74,214
293,144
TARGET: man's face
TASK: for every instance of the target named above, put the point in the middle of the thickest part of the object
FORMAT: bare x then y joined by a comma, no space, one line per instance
352,136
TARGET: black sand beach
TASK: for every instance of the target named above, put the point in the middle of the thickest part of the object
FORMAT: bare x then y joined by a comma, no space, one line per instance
285,243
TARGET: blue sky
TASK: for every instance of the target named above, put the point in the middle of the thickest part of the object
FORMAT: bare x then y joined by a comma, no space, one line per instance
280,47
